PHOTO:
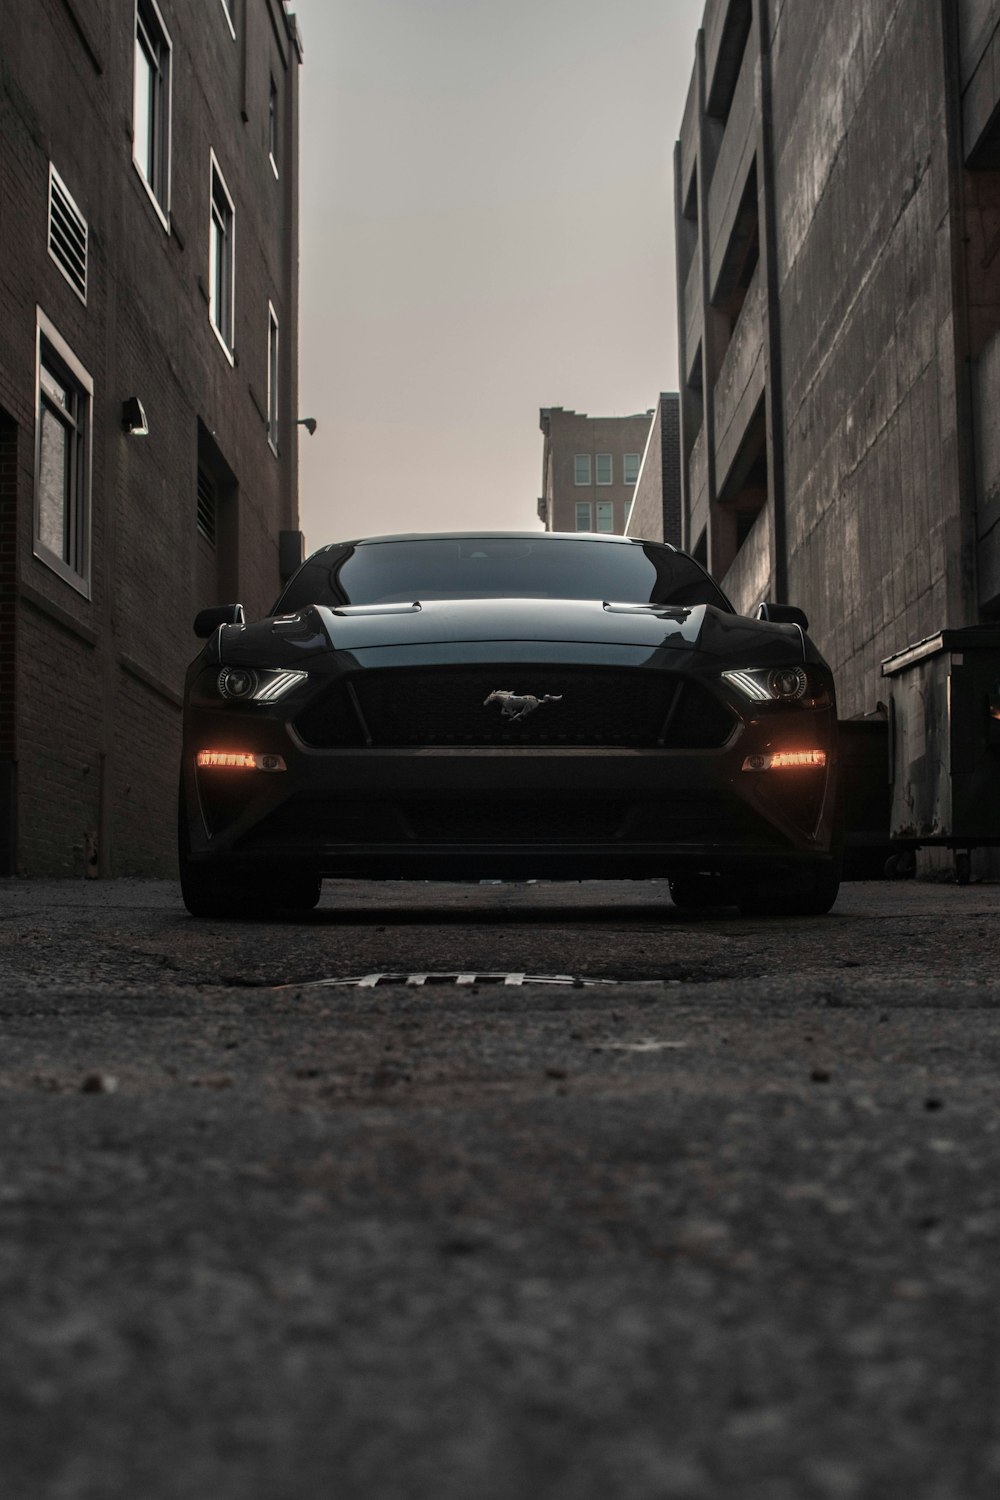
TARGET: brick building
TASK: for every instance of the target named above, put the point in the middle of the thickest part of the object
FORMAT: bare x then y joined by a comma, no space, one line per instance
589,469
148,280
837,185
655,513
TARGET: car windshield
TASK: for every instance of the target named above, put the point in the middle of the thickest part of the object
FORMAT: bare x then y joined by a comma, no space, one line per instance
499,567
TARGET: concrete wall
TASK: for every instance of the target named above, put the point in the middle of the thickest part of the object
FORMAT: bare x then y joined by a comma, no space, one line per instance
854,389
862,185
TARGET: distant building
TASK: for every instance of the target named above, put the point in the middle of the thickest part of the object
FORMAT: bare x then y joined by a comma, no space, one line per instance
838,225
148,277
655,513
589,469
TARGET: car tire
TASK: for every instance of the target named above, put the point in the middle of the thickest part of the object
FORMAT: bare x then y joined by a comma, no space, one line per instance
209,893
701,890
300,893
805,894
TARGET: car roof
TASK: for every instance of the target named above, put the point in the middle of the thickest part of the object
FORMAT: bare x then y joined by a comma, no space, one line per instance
530,536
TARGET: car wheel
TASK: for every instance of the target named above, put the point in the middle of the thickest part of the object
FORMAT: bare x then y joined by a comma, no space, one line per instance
299,894
809,894
702,889
208,893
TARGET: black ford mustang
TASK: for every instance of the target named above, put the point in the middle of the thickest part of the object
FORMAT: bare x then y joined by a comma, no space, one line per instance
508,706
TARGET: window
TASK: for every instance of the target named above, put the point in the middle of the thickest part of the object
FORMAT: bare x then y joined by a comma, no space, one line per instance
227,6
67,235
605,515
583,515
151,105
604,468
221,260
64,403
272,126
272,377
581,468
631,462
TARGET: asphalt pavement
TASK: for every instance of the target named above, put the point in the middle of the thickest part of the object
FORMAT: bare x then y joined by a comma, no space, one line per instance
724,1223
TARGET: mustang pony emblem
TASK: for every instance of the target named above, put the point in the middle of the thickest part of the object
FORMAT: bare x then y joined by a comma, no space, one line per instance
516,706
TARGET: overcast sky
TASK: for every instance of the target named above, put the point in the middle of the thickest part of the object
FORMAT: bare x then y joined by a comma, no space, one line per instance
486,228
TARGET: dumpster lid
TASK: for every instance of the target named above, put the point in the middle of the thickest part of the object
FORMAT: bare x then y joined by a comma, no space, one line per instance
968,638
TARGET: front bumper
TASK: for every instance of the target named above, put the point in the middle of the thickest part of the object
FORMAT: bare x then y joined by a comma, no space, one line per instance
467,813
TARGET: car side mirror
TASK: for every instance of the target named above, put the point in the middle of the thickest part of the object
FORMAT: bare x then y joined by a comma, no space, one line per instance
782,614
207,621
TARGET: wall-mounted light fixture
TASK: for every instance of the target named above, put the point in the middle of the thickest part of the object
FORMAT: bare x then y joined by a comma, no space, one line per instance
309,423
134,418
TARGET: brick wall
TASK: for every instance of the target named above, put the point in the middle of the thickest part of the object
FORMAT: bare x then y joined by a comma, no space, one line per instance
8,640
656,505
568,433
98,672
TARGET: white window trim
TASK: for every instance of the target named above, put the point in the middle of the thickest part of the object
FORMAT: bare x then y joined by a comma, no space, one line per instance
590,470
273,396
46,330
162,209
638,468
215,171
611,469
56,179
230,19
608,506
590,516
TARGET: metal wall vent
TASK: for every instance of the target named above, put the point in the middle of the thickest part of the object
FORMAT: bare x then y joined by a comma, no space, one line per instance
207,506
67,235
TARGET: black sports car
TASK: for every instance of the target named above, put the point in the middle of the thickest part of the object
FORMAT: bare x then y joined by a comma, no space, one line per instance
508,706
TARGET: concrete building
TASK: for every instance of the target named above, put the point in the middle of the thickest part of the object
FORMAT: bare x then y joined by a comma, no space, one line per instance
148,280
837,188
655,513
589,469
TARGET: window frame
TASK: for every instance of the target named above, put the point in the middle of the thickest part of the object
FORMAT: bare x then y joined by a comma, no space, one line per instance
161,106
597,468
273,379
625,467
583,507
582,459
605,509
225,330
75,568
273,132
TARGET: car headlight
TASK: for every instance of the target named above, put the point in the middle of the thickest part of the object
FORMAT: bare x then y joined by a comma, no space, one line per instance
779,685
257,685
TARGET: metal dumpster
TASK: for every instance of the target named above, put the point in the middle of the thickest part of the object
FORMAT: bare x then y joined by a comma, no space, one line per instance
944,745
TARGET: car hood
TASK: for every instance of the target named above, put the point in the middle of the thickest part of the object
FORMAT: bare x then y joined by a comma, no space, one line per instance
364,632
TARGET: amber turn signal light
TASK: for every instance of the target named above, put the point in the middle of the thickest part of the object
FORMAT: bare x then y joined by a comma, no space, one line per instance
784,760
238,760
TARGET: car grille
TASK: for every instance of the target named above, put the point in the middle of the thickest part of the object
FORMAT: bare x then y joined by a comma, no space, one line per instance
635,708
510,822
